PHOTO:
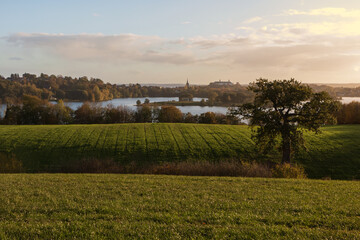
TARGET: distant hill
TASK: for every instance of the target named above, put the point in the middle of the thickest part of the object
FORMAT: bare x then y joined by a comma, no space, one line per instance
344,85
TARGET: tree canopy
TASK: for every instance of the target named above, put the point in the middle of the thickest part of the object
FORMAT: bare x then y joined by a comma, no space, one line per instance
282,110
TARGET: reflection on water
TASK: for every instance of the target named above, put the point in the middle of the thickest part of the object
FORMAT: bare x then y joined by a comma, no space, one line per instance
347,100
131,102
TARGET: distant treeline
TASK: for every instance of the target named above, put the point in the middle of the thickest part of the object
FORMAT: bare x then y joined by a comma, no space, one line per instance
51,87
349,113
48,87
33,111
337,91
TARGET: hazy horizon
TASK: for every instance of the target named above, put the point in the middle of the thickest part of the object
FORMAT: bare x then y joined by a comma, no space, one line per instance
166,42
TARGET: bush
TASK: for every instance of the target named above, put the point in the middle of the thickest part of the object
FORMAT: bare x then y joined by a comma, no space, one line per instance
287,170
170,114
9,164
224,168
92,165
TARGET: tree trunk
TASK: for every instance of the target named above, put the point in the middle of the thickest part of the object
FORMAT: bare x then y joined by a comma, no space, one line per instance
286,148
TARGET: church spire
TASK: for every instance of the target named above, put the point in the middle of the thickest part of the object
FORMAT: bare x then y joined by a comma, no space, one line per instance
187,85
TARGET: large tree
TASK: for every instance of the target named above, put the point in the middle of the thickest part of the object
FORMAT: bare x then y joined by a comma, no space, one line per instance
282,110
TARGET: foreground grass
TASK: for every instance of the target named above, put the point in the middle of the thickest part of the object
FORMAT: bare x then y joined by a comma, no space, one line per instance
334,153
68,206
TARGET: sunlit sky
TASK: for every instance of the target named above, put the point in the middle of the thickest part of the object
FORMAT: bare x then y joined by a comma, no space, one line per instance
162,41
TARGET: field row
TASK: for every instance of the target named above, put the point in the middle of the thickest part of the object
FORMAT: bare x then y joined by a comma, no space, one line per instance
126,142
334,153
115,206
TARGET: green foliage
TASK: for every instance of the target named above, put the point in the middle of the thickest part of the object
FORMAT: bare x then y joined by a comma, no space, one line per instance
349,113
144,114
333,154
170,114
50,87
33,110
113,206
208,117
285,108
9,163
287,170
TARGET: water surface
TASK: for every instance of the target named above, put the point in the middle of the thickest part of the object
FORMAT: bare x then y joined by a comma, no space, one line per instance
131,103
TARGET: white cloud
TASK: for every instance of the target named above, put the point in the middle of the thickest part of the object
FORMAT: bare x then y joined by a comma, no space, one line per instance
339,28
96,15
186,22
340,12
252,20
314,52
99,47
317,47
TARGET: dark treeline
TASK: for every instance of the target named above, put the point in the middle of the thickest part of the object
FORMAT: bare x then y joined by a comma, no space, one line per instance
51,87
33,111
349,113
337,91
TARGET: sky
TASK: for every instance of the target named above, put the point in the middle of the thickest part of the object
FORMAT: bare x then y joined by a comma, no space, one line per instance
168,41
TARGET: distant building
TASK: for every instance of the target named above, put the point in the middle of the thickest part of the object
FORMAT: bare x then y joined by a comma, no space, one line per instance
221,84
187,85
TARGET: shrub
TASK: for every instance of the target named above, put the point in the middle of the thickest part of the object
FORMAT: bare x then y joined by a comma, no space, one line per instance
9,164
287,170
223,168
92,165
170,114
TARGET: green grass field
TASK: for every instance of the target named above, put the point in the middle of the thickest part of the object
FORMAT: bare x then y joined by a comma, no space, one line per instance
335,153
91,206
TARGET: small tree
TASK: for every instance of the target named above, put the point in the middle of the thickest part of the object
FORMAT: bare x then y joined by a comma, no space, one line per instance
285,108
143,114
170,114
208,117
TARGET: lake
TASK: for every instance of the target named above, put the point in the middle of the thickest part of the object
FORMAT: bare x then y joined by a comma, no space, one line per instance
131,103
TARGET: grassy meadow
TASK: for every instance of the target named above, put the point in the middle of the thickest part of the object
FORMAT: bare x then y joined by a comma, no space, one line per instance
93,206
334,153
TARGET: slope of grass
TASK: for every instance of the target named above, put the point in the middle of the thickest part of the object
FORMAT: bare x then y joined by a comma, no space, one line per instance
335,153
80,206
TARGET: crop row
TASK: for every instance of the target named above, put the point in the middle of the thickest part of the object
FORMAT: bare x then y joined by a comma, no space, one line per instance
335,152
123,142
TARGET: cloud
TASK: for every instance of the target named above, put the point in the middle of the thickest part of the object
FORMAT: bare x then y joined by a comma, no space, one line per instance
96,15
296,59
265,48
335,22
173,58
339,28
99,47
326,45
340,12
226,40
252,20
15,58
186,22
